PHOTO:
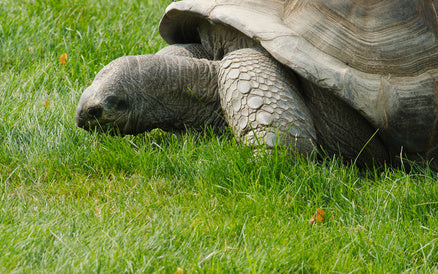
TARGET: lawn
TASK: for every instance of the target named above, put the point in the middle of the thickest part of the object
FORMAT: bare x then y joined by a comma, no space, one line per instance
75,201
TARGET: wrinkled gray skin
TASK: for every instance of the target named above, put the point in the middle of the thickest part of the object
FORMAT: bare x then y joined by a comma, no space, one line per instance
227,79
134,94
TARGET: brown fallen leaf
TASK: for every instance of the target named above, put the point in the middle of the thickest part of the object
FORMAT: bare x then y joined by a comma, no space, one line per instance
318,217
63,59
47,104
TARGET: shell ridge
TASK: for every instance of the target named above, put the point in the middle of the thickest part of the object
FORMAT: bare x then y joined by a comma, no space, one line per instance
393,57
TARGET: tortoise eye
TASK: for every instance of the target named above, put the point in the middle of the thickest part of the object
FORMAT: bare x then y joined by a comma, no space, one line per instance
115,102
122,105
111,101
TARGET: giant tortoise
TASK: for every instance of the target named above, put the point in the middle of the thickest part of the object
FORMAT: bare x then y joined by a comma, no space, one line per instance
339,76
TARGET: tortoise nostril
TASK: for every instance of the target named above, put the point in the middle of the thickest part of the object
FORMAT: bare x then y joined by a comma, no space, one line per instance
95,111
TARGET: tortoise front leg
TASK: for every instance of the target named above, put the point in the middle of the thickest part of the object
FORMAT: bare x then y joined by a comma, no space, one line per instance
261,102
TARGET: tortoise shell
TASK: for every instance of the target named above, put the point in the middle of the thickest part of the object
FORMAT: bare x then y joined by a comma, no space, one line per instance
380,57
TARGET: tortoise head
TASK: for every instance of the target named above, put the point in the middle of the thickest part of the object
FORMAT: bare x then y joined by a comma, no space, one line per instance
120,98
134,94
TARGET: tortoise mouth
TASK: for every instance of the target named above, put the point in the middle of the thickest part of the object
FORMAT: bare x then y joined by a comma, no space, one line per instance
89,124
89,121
86,117
98,127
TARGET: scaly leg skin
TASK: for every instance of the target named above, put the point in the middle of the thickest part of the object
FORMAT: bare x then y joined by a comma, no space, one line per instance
261,102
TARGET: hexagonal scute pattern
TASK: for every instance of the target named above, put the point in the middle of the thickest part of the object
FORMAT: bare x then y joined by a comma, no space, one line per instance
261,101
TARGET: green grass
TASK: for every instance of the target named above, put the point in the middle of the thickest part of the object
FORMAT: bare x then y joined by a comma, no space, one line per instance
74,201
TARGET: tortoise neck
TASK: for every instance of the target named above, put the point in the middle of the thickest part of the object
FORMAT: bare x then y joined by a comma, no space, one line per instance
187,88
220,40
